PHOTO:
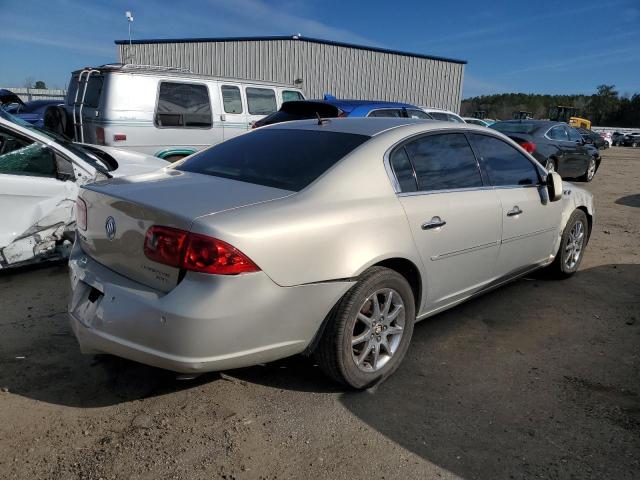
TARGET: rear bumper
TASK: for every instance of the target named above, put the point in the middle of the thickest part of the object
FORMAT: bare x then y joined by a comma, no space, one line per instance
206,323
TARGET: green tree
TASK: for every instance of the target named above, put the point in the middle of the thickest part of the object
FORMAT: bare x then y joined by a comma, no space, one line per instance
603,102
40,85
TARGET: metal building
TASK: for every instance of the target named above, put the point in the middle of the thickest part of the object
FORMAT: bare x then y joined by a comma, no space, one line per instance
316,66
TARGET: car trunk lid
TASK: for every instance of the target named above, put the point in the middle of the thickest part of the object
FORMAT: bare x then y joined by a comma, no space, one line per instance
121,210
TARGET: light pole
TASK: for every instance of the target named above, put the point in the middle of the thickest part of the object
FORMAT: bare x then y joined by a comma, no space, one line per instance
129,16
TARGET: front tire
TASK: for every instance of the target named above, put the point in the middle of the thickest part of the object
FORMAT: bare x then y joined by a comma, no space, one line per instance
574,239
369,331
591,170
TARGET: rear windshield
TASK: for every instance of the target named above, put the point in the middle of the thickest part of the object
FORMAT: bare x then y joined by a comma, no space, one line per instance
515,127
281,158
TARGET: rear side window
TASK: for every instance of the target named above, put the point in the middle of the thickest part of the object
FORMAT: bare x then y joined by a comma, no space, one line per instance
261,101
414,113
403,170
439,116
386,112
231,99
183,105
574,135
503,163
454,118
558,133
281,158
444,162
291,96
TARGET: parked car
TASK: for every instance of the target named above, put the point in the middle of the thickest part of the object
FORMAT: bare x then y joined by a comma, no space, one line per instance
476,121
166,112
444,115
33,111
556,145
606,136
331,107
40,174
330,238
592,137
617,139
631,139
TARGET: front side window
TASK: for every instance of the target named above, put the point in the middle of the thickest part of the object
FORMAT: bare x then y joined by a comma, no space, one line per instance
183,105
291,96
280,158
19,156
231,99
574,135
444,162
503,163
261,101
386,112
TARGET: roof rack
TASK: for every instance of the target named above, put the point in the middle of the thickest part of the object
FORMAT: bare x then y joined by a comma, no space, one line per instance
136,66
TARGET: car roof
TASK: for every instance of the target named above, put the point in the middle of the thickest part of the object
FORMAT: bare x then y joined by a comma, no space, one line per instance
369,126
538,123
348,105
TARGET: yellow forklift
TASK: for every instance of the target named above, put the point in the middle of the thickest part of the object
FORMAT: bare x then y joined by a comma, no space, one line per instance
561,113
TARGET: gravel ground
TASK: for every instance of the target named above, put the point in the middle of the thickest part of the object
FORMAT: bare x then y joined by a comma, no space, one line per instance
538,379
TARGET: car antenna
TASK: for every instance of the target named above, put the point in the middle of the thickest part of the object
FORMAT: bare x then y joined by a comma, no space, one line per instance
321,120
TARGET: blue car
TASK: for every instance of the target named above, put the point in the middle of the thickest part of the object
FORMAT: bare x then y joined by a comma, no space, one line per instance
331,107
33,111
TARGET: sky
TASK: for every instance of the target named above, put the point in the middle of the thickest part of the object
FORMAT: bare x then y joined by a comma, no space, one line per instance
555,47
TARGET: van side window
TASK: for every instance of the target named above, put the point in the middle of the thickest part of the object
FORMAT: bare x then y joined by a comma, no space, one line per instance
291,96
231,100
183,105
261,101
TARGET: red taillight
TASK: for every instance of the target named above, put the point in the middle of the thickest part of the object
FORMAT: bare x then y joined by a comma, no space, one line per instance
195,252
119,137
100,136
81,214
530,147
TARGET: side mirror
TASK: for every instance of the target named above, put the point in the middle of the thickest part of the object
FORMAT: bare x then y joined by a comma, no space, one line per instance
554,186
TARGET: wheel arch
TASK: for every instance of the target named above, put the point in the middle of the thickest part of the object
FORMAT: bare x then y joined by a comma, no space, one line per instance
589,219
409,271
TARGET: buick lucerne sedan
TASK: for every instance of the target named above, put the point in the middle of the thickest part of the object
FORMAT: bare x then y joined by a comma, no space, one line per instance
324,237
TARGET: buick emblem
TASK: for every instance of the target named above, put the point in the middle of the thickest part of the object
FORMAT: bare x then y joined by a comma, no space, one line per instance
110,228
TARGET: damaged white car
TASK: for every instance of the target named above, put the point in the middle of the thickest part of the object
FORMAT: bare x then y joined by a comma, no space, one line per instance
40,175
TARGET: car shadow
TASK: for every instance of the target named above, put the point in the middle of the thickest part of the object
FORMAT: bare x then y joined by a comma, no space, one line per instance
538,378
630,200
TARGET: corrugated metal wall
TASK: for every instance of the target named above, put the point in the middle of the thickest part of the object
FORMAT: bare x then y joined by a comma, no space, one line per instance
324,68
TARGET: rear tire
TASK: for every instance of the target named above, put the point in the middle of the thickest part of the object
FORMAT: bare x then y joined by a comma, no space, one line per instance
359,347
574,240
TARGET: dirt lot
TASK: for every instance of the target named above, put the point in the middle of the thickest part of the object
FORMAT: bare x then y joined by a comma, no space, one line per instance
539,379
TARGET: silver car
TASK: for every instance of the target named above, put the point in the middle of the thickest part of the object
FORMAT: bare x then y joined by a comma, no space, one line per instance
324,237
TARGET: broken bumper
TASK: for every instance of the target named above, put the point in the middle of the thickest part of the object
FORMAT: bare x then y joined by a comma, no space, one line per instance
206,323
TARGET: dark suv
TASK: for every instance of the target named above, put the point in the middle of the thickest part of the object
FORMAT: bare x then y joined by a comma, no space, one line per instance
555,145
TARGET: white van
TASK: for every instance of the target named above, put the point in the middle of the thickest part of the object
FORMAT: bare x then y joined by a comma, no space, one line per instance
162,111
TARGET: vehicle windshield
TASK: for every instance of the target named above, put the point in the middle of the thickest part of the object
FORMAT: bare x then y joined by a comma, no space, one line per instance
76,148
515,127
288,159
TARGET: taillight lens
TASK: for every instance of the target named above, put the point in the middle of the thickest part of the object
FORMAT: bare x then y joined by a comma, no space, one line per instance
100,136
195,252
81,214
529,146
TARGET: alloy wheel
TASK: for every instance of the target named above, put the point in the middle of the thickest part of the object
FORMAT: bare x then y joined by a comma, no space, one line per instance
591,170
575,242
378,330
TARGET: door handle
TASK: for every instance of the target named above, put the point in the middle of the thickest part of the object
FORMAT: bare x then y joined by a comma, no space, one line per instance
435,222
514,211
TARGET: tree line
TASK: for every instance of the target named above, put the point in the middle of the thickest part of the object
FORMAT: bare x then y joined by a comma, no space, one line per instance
604,108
